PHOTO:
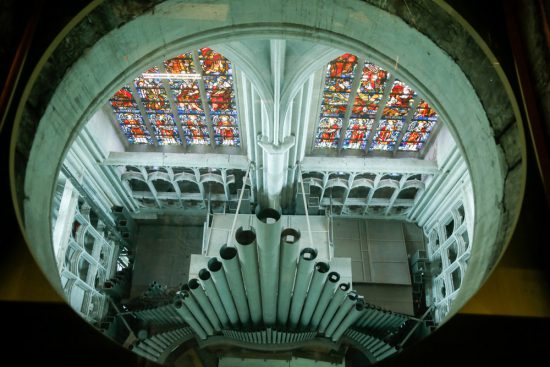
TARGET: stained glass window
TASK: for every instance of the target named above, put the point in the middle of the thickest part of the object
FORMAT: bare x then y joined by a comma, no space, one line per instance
195,129
329,132
419,129
375,103
338,81
400,101
365,106
387,135
225,130
186,92
218,83
155,101
370,92
197,87
357,133
129,118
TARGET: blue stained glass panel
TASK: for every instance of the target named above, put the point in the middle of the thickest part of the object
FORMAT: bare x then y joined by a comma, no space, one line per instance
226,131
165,129
387,135
195,129
328,132
133,127
357,133
129,118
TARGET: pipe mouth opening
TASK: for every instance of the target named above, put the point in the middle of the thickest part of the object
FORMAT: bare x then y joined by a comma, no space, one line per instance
344,286
322,267
204,274
214,265
290,236
352,296
359,306
333,277
268,216
184,287
178,303
308,254
245,236
193,283
228,253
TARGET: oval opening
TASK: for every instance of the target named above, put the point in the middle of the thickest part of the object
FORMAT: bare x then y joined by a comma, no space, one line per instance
228,253
322,267
333,277
193,283
245,236
204,274
214,265
290,236
268,216
344,286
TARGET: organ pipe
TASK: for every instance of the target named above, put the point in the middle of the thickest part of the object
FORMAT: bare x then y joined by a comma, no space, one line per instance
303,276
314,292
248,256
337,299
218,275
268,231
204,303
235,280
186,315
290,250
326,296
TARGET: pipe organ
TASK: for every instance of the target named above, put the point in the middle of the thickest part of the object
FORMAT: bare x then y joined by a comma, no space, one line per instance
267,286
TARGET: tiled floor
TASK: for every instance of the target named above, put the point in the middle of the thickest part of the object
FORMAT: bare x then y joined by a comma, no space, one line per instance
163,254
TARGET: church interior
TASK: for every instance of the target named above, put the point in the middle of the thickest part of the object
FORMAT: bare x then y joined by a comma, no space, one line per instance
348,183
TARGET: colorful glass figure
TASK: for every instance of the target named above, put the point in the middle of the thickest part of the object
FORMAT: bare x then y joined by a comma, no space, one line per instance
387,135
419,129
399,102
218,83
129,118
370,92
329,132
165,129
357,133
213,63
338,80
225,130
195,129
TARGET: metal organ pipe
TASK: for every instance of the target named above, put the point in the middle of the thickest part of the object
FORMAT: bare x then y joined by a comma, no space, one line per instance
268,233
326,295
248,256
197,313
204,303
352,316
314,292
186,315
303,275
218,275
336,300
213,296
234,278
290,250
345,307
